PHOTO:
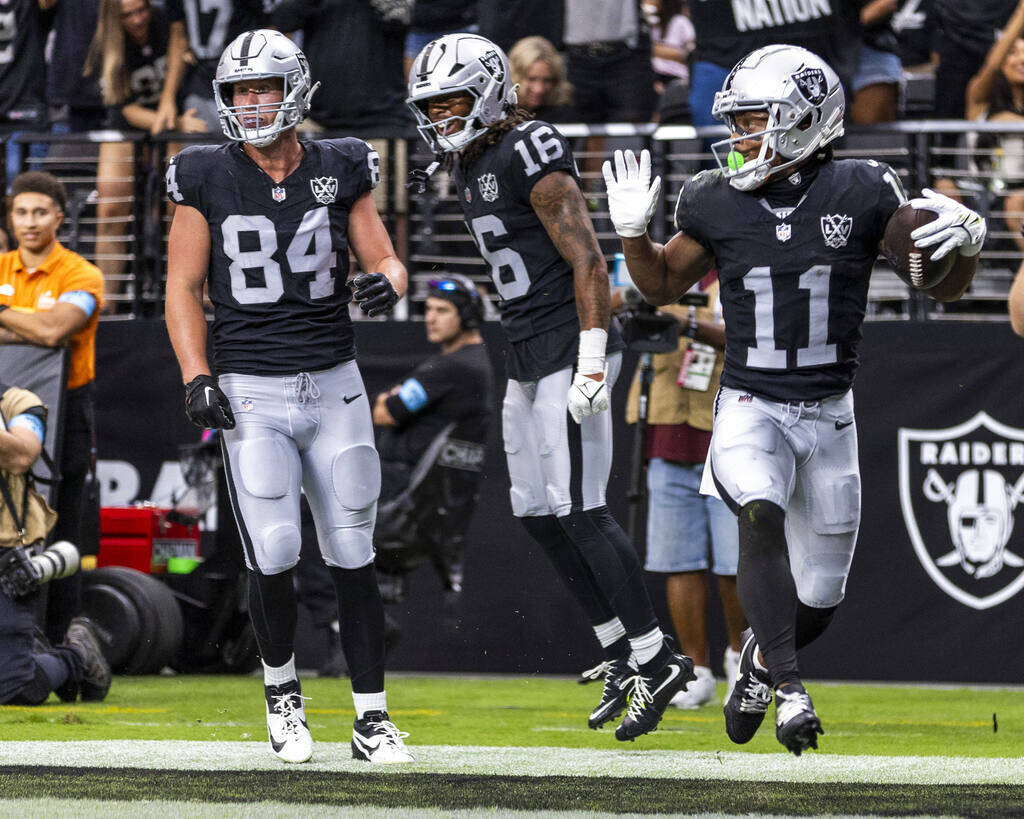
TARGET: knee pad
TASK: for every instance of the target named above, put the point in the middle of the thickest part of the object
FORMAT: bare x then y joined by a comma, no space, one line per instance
549,423
263,468
355,474
277,547
821,580
525,503
349,547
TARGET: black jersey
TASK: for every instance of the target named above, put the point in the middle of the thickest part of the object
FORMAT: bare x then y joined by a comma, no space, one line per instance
146,64
455,387
22,65
278,253
794,281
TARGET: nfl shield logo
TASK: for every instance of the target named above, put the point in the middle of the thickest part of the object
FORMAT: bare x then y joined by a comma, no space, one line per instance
836,227
325,189
959,491
488,187
468,194
783,232
278,194
812,85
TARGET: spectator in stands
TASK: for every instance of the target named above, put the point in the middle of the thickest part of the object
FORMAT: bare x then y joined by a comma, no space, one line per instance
966,32
505,22
673,38
1016,303
540,72
686,530
876,82
364,87
54,297
433,19
67,86
608,43
996,94
138,53
915,28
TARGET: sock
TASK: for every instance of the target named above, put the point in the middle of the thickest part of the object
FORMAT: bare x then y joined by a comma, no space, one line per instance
610,633
647,646
279,675
365,703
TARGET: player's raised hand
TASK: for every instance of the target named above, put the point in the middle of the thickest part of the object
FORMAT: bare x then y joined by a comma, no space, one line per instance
206,404
632,197
373,293
955,226
587,396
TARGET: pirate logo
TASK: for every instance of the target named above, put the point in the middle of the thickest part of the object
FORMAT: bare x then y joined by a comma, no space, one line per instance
959,491
492,62
812,85
488,187
836,227
325,189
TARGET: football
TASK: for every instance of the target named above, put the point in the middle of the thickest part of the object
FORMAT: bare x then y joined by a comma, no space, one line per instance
912,264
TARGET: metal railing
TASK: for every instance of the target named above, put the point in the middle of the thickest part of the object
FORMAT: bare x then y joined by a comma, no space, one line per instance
983,163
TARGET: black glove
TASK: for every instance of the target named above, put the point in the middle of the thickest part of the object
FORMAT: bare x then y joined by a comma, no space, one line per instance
373,293
206,405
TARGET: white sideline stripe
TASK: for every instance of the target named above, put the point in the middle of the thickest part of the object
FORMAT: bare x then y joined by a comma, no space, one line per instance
337,756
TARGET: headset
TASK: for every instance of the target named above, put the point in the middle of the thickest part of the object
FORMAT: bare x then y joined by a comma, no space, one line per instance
461,292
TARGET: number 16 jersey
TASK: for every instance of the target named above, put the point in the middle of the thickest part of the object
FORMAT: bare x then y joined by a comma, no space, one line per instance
793,280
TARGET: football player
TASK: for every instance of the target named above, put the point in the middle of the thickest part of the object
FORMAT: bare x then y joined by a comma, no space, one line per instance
794,234
520,194
266,221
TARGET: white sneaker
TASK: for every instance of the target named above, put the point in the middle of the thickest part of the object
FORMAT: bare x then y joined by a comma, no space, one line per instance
731,663
376,739
697,692
286,722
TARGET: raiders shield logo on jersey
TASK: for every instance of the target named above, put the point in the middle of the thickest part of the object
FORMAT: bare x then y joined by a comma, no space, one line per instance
325,189
959,491
836,227
488,187
811,84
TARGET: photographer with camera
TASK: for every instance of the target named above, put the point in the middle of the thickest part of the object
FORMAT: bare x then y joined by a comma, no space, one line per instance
29,667
688,534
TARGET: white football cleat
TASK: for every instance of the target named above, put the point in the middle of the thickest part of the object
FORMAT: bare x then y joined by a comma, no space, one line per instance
376,739
698,692
286,722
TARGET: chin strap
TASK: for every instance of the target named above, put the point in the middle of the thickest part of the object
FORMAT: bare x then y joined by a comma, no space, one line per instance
418,177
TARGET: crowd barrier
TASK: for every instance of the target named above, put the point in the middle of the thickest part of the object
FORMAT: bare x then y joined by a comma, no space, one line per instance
983,161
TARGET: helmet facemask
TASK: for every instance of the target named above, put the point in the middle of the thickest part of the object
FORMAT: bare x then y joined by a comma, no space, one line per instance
433,132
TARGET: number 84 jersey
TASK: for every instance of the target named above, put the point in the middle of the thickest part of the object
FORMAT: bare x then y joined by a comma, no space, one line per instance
534,282
278,251
793,280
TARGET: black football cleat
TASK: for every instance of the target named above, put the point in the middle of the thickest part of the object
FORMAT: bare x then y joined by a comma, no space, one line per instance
614,693
751,695
796,725
649,696
95,682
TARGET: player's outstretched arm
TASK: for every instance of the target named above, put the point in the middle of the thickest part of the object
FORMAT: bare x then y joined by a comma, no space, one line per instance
188,255
384,280
662,273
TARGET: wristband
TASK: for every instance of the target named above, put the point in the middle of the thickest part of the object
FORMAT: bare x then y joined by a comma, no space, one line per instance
691,327
591,356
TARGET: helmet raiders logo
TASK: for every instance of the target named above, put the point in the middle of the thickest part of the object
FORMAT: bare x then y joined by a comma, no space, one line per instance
325,189
812,85
836,228
488,187
492,62
959,490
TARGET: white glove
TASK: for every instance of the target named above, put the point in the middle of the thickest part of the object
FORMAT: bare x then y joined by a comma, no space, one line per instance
587,397
632,197
957,226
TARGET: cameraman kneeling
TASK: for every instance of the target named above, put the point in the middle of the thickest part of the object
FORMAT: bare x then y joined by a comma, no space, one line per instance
29,668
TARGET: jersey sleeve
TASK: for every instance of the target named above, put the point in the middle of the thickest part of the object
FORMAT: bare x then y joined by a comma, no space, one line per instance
427,385
532,151
184,178
688,211
890,195
353,163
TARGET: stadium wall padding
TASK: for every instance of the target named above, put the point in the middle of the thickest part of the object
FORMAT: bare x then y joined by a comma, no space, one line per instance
937,587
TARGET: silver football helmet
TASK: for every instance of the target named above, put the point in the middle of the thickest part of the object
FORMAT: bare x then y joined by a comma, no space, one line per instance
804,101
454,63
256,55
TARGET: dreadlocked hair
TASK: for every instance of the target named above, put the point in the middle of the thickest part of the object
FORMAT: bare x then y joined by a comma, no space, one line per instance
495,133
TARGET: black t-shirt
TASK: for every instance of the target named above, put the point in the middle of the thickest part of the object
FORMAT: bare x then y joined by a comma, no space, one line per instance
973,25
146,64
279,252
504,22
794,281
23,30
727,32
457,387
73,29
210,26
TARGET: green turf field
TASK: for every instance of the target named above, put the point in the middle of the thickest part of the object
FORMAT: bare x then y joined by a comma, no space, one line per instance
514,743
